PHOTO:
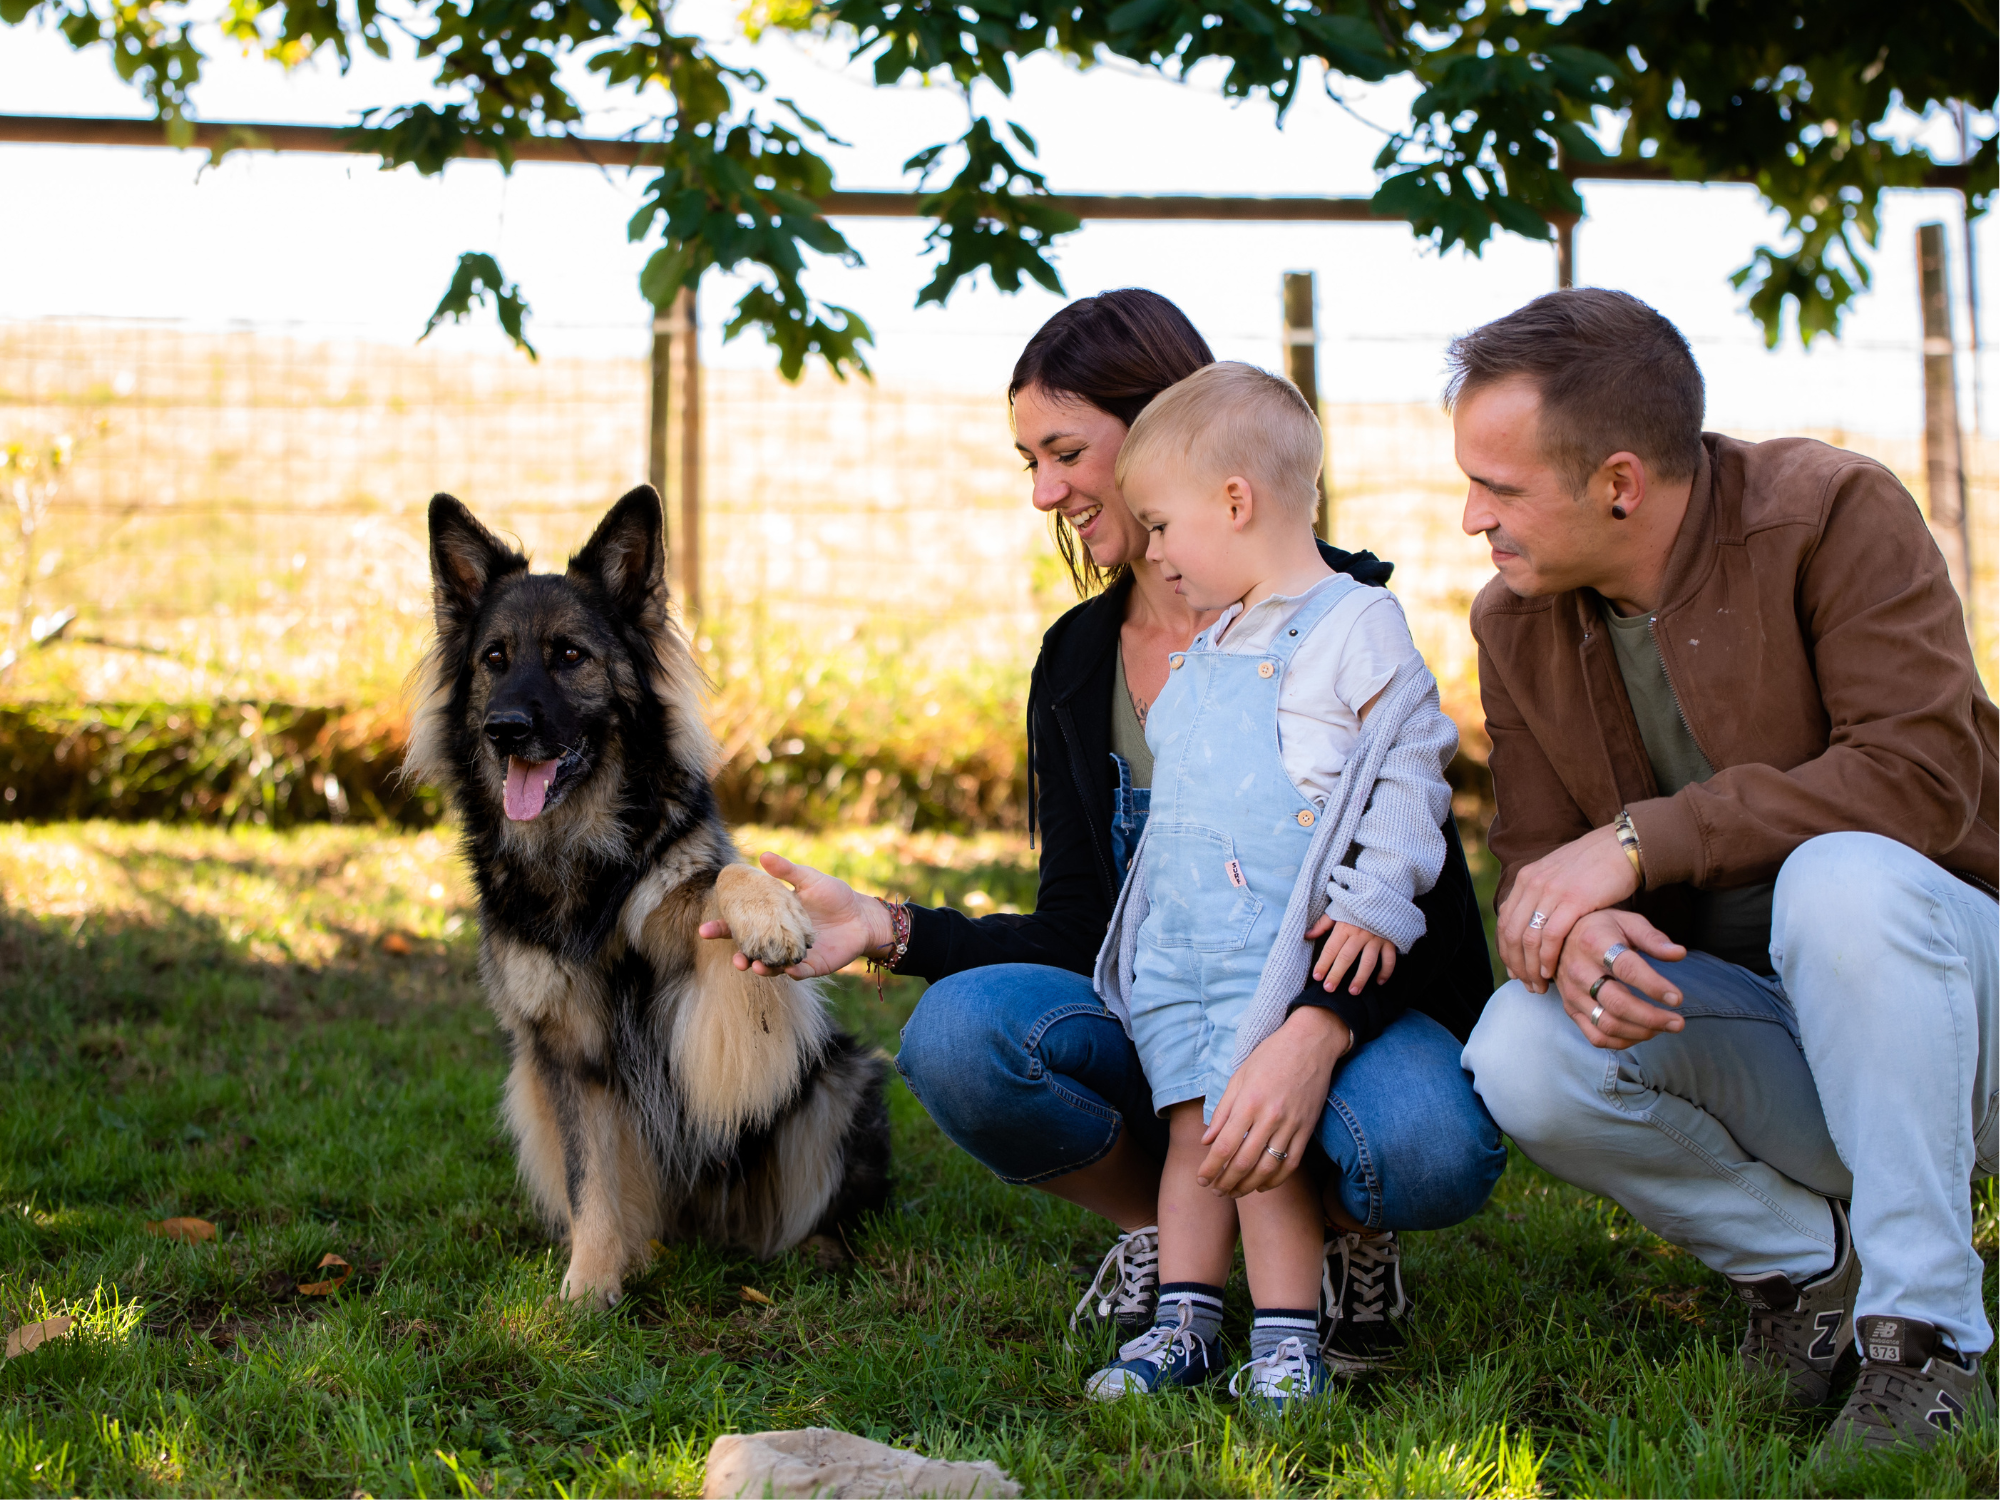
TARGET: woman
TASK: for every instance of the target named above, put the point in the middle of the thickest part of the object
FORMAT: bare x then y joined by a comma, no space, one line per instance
1010,1050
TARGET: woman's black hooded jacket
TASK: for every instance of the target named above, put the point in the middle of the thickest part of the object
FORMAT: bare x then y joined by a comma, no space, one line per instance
1447,975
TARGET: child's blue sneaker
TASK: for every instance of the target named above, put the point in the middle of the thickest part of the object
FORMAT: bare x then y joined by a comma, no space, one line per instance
1291,1373
1165,1355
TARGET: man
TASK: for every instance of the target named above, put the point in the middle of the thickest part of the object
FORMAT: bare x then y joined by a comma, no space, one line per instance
1745,773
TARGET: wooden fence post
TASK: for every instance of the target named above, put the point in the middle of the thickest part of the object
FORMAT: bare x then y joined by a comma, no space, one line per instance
1943,464
657,420
1565,253
685,329
1302,369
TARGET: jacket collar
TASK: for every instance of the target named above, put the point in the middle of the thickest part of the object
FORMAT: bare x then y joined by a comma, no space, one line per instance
1090,635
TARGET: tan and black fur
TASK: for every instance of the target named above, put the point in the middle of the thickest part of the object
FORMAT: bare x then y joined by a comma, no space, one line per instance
656,1092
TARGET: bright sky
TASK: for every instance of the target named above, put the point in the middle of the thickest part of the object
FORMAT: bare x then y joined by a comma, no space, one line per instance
323,240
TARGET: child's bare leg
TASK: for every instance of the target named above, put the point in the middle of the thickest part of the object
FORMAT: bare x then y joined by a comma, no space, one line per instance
1197,1239
1197,1224
1281,1249
1282,1243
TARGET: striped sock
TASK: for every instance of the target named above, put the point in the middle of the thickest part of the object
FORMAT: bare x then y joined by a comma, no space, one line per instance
1273,1325
1203,1300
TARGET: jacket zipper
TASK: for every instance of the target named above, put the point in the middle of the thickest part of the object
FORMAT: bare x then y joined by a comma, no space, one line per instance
1653,632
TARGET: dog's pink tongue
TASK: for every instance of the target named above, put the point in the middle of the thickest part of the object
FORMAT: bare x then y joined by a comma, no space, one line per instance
527,786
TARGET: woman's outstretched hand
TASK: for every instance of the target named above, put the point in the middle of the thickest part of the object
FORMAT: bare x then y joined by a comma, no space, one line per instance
1273,1103
846,924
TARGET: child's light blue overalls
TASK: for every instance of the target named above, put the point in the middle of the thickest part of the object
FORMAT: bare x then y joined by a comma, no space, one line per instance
1227,835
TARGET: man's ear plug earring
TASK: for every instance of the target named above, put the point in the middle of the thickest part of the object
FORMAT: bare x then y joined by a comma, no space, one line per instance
1617,512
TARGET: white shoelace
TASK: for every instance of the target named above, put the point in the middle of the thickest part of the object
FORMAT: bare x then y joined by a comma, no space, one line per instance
1157,1345
1285,1371
1366,1262
1125,1275
1365,1268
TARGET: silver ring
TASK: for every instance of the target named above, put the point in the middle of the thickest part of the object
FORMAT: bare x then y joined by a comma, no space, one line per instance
1538,921
1274,1151
1612,954
1596,1014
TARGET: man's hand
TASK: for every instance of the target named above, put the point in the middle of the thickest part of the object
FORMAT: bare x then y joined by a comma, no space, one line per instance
1273,1102
1626,1017
1564,885
1367,953
846,924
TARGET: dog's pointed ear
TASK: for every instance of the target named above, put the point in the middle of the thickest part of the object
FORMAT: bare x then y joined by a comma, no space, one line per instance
466,558
627,556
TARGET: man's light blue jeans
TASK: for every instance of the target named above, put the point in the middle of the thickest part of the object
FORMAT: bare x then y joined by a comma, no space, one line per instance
1863,1071
1026,1071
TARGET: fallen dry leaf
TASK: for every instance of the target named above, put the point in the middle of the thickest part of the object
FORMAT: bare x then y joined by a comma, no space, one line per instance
657,1248
397,944
751,1294
187,1231
21,1340
327,1288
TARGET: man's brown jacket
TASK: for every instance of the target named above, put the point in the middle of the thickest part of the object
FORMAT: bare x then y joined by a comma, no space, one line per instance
1819,655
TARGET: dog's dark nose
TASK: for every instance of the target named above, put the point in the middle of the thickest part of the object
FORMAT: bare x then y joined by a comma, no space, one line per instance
507,728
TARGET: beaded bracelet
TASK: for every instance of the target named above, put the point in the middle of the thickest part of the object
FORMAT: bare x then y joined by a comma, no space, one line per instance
1628,840
899,942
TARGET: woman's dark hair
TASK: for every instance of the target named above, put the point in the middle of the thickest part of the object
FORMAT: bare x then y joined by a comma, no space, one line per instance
1115,351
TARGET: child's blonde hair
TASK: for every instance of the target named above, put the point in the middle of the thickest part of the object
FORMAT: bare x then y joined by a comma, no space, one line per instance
1227,419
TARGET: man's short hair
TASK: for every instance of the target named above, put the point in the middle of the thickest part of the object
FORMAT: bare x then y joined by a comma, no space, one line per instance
1614,376
1230,419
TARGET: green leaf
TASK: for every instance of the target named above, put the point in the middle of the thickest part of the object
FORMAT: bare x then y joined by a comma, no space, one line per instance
665,274
477,278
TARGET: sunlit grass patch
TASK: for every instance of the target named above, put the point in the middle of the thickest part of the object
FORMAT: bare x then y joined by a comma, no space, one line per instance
172,1043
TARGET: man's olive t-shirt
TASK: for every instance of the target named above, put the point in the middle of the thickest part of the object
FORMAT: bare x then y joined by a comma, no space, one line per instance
1732,924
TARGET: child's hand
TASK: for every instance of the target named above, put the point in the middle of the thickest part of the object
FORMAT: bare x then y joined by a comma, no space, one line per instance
1351,946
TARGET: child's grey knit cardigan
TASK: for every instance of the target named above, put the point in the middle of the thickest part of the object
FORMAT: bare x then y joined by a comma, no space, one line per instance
1395,777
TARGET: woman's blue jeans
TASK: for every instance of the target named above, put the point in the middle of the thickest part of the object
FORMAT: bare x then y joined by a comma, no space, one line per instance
1024,1069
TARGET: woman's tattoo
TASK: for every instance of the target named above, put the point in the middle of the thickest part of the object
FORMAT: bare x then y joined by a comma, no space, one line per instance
1139,706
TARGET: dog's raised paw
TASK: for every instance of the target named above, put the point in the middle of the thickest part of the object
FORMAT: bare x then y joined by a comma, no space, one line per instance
764,915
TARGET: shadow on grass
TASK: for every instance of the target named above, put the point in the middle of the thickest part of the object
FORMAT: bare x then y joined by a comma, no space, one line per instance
179,1063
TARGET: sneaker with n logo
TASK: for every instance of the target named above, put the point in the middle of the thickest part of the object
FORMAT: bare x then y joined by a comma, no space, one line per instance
1913,1388
1166,1356
1287,1376
1803,1330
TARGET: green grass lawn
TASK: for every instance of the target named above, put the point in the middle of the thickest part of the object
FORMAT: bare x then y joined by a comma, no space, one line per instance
284,1035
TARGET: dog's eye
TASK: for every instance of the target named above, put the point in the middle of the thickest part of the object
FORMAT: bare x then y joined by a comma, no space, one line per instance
569,656
496,657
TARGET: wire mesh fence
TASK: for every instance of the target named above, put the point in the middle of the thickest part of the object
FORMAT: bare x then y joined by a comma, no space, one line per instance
241,512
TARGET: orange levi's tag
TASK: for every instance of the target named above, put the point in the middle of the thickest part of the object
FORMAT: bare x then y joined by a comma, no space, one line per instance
1236,875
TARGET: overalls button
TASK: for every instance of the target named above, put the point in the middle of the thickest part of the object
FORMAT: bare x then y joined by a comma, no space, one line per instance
1305,818
1175,661
1265,669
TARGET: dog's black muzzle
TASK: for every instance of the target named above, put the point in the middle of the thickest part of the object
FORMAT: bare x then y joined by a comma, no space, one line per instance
510,730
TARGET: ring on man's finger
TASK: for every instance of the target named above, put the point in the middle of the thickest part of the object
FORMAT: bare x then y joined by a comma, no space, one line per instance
1538,921
1612,954
1596,1014
1274,1151
1598,986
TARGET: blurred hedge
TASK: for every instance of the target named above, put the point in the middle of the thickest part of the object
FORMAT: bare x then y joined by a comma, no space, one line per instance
274,764
279,764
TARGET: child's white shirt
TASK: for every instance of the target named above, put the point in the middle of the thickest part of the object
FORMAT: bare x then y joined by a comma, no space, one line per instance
1343,662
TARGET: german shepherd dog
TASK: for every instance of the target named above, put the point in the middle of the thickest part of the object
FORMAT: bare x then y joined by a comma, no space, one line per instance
656,1091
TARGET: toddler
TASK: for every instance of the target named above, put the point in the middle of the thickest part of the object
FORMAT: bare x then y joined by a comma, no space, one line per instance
1298,786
